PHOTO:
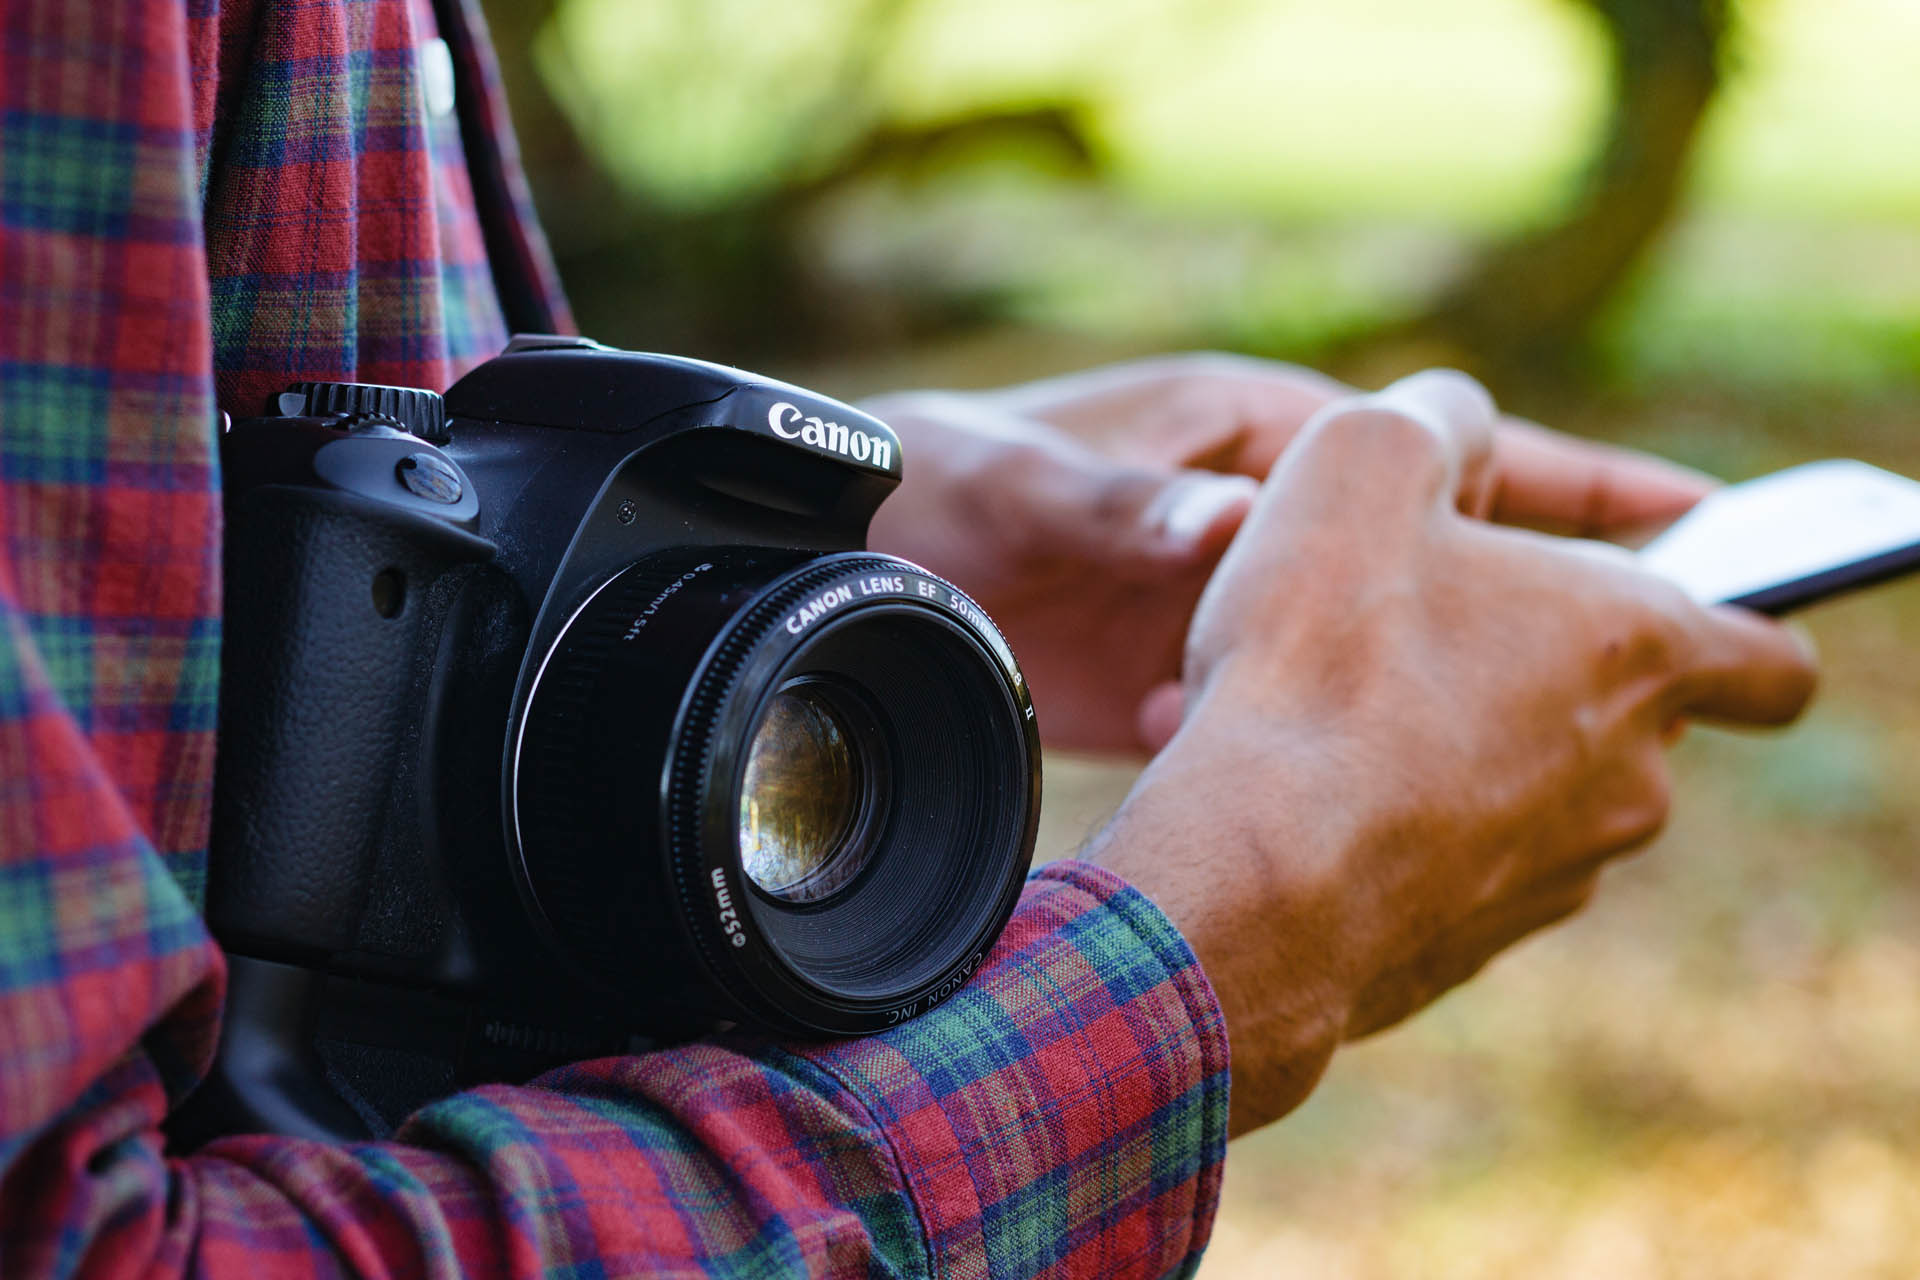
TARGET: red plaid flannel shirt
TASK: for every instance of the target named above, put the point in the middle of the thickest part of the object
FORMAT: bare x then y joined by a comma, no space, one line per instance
200,201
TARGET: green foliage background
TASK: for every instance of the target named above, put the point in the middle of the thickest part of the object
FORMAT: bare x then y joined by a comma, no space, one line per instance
1271,174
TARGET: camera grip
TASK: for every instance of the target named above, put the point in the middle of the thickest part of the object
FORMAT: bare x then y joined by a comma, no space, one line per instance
328,646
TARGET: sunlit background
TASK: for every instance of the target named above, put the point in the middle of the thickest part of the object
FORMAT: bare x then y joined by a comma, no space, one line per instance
1688,226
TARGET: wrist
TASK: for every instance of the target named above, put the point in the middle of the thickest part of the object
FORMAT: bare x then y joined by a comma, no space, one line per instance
1235,853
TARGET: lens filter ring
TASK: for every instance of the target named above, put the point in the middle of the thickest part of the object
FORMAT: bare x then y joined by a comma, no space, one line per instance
871,708
924,866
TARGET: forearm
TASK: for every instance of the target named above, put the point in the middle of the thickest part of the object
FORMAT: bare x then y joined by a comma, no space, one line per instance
1067,1108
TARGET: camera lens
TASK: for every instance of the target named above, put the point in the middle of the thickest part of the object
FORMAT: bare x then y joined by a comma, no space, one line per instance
799,799
757,786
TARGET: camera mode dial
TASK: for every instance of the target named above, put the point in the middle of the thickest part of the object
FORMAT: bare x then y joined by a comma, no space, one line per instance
420,413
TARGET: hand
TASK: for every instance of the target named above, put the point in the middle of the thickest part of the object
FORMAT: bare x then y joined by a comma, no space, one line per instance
1085,514
1413,737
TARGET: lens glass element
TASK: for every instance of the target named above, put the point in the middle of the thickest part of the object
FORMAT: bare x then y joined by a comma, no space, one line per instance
800,798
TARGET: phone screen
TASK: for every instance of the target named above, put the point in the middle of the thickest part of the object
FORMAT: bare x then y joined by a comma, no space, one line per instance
1791,538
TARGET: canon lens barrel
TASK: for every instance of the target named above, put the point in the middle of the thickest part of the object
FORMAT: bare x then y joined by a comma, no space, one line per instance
801,795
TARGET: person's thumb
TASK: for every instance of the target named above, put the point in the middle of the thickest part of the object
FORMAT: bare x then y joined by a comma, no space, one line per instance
1159,715
1196,513
1125,514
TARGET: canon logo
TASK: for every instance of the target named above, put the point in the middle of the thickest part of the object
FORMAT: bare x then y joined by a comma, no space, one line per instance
790,424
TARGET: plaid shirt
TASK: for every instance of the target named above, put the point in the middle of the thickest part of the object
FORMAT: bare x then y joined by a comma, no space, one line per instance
200,201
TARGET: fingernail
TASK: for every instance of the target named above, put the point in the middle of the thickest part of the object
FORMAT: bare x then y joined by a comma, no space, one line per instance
1444,394
1194,505
1804,638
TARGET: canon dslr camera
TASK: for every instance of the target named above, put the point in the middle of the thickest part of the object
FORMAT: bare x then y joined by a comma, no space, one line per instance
568,715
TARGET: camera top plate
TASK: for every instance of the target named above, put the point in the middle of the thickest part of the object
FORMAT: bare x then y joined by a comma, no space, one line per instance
580,385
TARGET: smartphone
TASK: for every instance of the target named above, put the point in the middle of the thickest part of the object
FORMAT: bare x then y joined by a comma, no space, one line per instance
1787,540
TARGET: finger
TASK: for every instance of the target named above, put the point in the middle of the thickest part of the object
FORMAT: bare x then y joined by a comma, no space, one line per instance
1206,410
1141,521
1263,406
1424,439
1466,949
1551,481
1194,515
1743,668
1058,497
1628,805
1467,412
1548,900
1160,715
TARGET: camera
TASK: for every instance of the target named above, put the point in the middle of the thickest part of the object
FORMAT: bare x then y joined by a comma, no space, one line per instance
567,714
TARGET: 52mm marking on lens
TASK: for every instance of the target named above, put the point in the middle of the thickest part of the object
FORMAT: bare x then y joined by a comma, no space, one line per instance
729,918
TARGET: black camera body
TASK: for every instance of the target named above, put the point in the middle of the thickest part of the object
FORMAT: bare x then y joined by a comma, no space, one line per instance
570,716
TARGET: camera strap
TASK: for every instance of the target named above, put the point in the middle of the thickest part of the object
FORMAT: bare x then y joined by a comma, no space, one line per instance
523,274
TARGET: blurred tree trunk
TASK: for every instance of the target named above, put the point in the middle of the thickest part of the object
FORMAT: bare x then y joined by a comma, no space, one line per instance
1527,305
578,202
735,282
728,283
637,275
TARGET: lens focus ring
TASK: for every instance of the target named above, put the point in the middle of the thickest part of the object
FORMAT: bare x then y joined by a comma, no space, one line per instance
833,823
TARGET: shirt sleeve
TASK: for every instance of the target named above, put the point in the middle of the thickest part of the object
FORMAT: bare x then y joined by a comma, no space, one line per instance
1065,1114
